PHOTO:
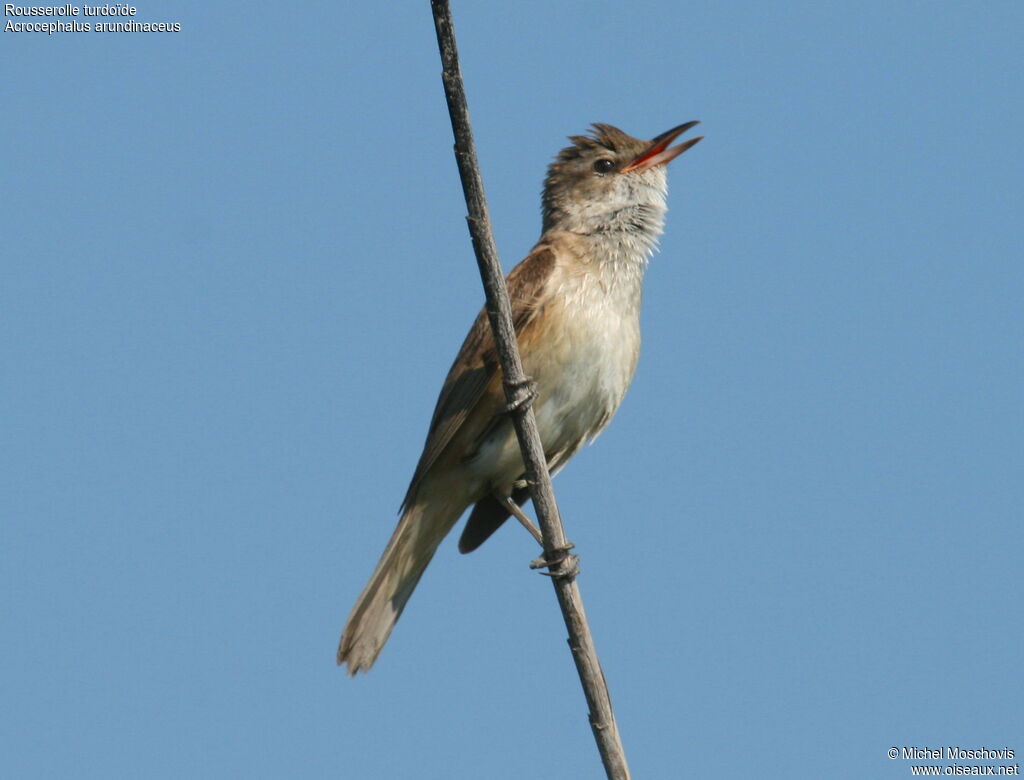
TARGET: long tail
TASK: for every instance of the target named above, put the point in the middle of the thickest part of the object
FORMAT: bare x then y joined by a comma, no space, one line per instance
412,545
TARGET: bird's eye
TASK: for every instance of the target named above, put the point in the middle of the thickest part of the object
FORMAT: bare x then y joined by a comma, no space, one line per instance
603,166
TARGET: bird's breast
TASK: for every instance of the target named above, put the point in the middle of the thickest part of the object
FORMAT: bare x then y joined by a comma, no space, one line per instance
583,356
594,327
581,350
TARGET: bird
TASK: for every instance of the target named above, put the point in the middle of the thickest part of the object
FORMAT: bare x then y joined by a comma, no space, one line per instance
575,306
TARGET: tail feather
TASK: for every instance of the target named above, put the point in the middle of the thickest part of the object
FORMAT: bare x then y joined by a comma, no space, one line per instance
486,518
379,606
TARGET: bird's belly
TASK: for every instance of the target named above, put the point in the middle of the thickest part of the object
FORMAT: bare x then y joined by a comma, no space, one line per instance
581,375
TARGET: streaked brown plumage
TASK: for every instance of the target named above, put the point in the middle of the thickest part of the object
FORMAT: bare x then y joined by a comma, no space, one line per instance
575,305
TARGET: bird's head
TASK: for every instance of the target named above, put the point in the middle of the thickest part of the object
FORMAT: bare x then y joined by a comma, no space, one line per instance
606,180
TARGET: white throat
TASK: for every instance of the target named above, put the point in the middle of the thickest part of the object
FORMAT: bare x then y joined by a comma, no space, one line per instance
624,226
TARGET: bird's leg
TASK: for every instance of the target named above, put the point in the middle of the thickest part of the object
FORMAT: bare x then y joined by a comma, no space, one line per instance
516,511
524,393
562,564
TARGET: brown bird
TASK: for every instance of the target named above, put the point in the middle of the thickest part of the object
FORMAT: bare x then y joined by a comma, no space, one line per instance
576,306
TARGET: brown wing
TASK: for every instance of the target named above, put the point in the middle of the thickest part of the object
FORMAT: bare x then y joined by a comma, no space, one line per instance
477,360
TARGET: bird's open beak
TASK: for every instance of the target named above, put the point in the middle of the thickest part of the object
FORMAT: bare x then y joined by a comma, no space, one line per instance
659,153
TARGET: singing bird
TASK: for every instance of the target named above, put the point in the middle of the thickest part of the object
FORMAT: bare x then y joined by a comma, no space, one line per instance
576,306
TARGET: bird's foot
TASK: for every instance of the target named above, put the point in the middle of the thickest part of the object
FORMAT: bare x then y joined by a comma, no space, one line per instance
523,394
562,564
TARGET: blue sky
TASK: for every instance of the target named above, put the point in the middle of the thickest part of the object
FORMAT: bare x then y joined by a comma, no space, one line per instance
235,273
